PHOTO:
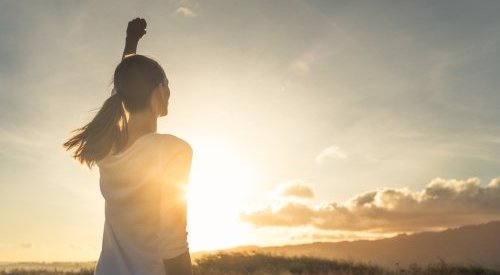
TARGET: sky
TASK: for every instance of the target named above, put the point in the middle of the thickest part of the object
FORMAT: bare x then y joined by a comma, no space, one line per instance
309,120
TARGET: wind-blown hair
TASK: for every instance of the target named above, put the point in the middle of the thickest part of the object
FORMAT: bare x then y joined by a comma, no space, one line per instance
133,82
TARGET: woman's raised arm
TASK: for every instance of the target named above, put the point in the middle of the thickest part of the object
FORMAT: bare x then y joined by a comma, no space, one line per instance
135,30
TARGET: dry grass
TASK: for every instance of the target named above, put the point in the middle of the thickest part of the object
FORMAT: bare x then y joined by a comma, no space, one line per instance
249,263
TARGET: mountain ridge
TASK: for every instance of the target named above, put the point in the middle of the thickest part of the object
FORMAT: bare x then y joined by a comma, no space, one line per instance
476,244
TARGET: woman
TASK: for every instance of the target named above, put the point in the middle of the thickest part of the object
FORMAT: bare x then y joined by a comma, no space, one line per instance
143,174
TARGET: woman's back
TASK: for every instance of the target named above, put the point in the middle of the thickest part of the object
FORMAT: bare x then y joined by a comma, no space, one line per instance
145,205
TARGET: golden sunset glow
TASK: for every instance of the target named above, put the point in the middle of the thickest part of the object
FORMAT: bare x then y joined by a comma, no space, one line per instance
218,191
310,121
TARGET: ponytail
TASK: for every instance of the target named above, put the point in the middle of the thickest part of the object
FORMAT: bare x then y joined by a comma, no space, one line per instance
108,129
133,83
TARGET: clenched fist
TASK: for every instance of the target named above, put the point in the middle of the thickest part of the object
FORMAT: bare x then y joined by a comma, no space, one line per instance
136,29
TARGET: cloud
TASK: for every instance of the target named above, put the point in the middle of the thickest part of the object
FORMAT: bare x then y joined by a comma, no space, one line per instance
300,67
289,214
318,235
442,203
184,11
295,188
76,246
320,49
330,152
26,245
20,245
16,144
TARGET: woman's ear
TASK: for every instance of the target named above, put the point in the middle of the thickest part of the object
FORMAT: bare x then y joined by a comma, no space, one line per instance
156,101
159,102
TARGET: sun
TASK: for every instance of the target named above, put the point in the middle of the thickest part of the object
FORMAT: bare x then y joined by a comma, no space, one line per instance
218,189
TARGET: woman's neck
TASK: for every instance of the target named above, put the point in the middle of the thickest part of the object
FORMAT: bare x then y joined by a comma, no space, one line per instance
141,123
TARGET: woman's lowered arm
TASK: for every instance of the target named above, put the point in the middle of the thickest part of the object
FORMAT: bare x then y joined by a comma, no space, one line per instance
135,30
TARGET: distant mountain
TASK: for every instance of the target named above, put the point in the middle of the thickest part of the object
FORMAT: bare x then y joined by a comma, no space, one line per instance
471,244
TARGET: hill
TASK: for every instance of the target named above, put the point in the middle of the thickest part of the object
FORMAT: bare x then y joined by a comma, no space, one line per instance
471,244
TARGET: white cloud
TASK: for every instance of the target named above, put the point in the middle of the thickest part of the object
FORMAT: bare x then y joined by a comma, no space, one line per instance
26,245
295,188
20,245
184,11
330,152
442,203
318,50
300,67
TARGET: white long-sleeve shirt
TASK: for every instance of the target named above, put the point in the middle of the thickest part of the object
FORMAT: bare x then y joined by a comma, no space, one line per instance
144,188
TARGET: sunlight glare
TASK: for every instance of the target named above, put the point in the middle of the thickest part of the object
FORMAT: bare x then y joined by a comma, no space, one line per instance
219,185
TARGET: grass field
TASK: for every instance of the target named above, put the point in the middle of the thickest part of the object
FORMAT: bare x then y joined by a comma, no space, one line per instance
246,263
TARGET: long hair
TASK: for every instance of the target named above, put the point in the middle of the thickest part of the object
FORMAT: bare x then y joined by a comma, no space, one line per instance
134,80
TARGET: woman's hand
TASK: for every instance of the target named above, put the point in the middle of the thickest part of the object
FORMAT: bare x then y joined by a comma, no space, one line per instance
136,29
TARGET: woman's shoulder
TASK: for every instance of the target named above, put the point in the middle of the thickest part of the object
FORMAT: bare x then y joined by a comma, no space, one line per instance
173,142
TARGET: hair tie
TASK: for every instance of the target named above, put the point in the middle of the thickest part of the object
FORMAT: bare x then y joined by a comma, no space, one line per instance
115,93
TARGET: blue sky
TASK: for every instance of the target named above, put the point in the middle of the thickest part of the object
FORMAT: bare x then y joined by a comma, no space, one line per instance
346,97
